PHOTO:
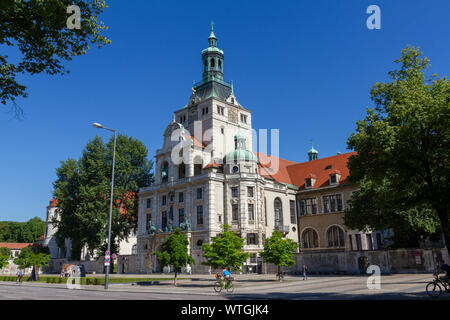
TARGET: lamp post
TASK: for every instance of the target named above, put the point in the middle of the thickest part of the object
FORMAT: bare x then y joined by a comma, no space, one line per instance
97,125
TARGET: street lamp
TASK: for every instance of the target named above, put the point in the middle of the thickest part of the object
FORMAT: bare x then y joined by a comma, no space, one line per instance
99,126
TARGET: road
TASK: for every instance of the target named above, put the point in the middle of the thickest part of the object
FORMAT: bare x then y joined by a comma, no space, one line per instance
393,287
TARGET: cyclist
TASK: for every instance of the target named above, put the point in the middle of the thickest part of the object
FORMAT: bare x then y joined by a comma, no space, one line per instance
443,267
19,276
226,276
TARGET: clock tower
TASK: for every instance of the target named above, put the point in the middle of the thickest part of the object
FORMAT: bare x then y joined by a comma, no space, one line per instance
213,104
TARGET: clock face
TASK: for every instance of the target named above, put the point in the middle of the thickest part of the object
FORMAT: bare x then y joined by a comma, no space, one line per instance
232,115
235,169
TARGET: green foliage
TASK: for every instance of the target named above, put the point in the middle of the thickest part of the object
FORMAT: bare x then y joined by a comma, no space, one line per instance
225,250
38,29
32,256
22,232
83,191
4,260
174,252
5,252
402,166
279,251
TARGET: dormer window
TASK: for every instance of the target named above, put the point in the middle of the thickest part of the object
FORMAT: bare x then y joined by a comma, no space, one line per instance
310,181
334,177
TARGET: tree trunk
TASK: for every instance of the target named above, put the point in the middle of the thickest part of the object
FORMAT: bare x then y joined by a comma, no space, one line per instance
443,217
175,278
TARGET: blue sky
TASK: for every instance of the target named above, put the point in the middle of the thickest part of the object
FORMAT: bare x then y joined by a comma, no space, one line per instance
304,67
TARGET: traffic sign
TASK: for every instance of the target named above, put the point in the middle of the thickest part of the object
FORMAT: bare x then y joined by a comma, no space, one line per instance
114,256
107,253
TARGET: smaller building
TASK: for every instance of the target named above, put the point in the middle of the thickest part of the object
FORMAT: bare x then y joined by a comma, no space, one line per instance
16,248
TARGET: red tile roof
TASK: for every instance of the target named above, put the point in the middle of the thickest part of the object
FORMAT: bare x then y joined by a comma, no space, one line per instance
14,246
53,202
195,141
296,173
213,165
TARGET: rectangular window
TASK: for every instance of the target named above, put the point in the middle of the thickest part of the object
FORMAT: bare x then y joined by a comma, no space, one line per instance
180,215
292,210
350,240
379,244
171,214
164,219
234,192
369,241
302,207
149,203
199,193
235,211
181,197
252,238
171,197
326,207
332,203
250,192
251,212
164,200
199,214
308,206
358,242
253,258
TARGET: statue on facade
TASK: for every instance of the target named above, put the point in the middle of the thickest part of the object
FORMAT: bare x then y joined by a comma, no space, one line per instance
151,228
185,226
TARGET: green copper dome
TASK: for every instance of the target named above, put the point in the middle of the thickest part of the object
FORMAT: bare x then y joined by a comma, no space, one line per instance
312,150
240,155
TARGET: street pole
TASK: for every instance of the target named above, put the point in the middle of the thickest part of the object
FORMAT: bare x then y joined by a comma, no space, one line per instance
97,125
110,211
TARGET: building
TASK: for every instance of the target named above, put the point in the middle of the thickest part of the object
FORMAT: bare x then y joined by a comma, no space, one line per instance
16,248
216,181
127,247
206,176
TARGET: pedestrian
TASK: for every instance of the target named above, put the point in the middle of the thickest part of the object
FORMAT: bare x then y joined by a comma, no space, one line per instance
305,269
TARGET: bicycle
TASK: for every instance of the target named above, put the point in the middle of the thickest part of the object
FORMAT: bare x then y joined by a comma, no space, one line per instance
280,276
434,288
229,285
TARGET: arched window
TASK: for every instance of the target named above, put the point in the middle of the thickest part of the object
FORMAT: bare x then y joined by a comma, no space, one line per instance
335,237
213,63
220,64
134,249
310,238
165,171
278,210
181,170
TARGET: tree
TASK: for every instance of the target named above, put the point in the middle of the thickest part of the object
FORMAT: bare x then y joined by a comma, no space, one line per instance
279,251
402,165
38,29
22,232
35,256
225,250
175,252
83,190
5,255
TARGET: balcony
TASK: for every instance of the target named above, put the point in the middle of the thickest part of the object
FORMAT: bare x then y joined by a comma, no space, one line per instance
283,229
